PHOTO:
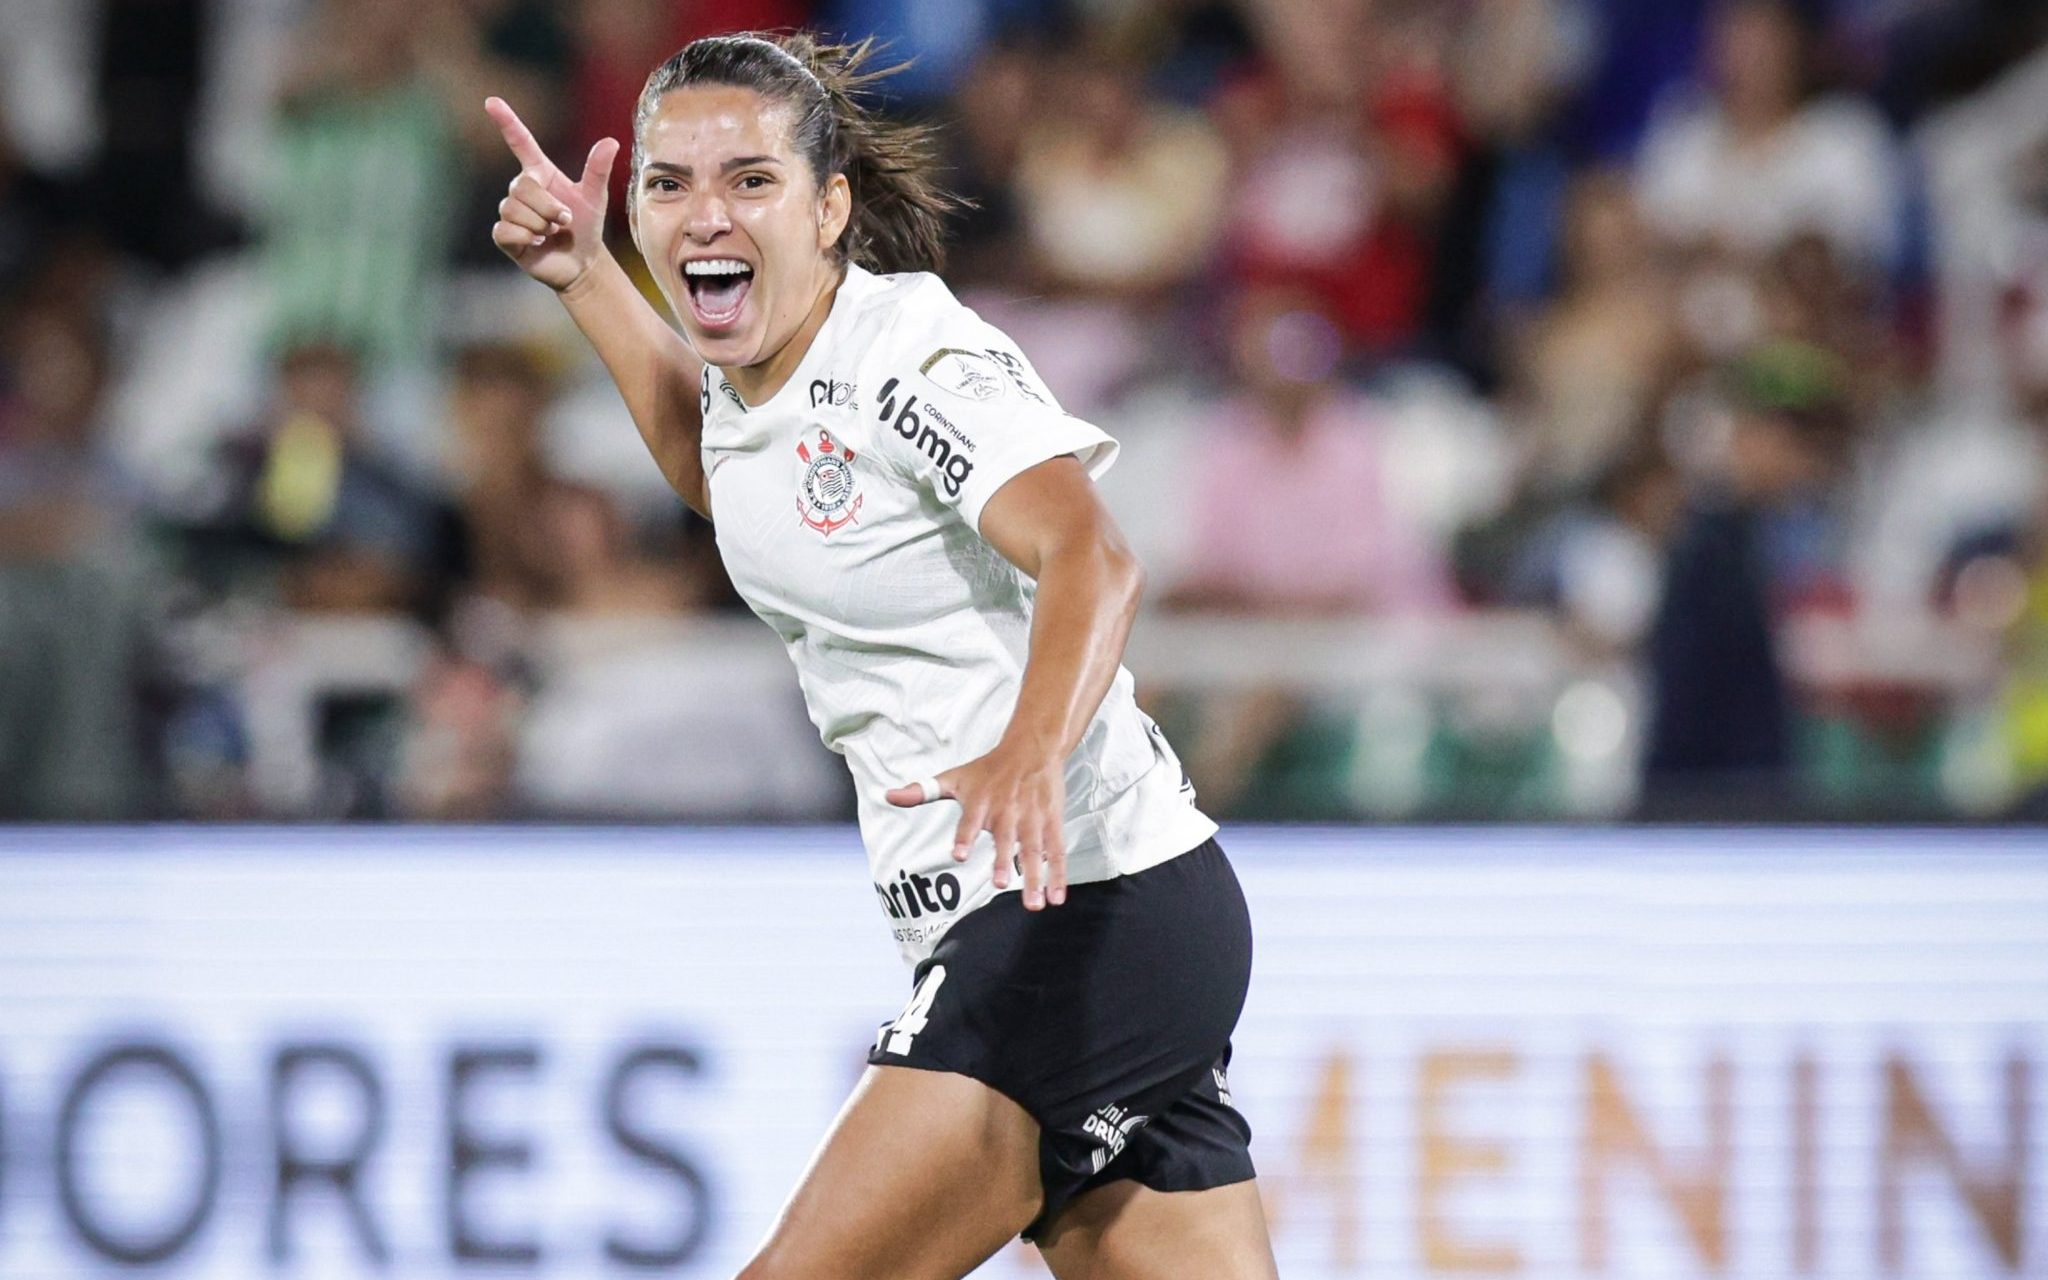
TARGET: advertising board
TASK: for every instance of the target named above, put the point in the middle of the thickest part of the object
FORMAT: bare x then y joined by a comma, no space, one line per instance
1562,1054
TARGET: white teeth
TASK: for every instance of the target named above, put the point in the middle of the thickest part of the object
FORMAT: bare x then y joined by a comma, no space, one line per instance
716,267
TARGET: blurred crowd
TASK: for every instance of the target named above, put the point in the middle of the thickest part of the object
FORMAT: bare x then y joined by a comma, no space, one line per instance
1710,335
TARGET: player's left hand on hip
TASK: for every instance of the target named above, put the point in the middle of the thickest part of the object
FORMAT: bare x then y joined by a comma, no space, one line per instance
1019,799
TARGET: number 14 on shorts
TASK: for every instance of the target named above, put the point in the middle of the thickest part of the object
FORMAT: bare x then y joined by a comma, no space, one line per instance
896,1037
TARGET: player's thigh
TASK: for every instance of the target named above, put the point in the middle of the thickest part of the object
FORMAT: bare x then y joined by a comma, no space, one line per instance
1127,1231
923,1175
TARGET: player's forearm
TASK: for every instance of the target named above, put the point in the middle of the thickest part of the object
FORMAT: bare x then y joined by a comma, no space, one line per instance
1088,593
657,374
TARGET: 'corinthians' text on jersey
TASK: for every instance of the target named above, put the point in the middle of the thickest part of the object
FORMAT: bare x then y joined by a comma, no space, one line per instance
846,508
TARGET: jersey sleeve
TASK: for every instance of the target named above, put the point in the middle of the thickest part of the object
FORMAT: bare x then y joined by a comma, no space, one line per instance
961,411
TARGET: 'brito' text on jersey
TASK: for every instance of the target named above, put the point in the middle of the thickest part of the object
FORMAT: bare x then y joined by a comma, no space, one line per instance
911,895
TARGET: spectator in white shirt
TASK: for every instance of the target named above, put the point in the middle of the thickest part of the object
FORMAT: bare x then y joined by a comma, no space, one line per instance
1761,157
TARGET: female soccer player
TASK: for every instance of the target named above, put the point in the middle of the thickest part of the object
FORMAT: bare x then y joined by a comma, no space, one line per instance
896,493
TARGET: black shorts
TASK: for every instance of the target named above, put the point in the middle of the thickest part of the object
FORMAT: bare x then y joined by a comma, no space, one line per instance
1107,1018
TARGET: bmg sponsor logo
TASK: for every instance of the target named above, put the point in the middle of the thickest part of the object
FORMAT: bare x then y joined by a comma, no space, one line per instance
954,467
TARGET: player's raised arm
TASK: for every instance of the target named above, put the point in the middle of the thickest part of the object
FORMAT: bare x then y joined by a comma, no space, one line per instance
553,228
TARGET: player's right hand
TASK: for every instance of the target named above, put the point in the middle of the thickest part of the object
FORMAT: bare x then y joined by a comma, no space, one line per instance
552,227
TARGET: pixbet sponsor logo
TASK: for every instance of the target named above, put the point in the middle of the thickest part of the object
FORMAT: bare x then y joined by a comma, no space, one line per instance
830,391
911,896
954,467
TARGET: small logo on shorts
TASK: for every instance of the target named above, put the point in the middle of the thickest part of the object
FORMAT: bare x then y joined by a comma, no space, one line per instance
1111,1126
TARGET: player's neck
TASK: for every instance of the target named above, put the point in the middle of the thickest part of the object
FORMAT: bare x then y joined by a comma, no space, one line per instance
758,383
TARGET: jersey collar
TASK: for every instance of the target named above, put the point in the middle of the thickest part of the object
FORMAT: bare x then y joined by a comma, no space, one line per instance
853,289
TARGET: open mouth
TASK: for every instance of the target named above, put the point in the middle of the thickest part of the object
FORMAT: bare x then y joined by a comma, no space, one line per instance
718,290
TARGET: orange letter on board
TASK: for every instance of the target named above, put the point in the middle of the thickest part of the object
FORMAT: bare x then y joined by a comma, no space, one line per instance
1912,1135
1614,1134
1445,1157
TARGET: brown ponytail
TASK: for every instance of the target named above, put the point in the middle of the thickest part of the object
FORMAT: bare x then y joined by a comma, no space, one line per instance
899,211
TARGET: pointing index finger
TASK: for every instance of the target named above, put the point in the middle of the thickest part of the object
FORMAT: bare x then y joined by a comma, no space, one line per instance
517,135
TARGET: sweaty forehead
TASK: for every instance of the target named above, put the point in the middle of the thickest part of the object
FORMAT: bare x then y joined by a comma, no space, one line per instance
703,126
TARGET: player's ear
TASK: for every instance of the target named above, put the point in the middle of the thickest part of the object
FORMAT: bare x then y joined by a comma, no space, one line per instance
835,210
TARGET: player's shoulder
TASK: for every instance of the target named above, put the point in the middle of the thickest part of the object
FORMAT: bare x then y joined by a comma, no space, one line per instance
915,329
897,311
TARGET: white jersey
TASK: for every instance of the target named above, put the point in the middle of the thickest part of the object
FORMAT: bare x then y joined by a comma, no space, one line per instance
847,509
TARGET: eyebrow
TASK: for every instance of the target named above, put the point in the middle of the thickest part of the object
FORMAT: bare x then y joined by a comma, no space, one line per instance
684,171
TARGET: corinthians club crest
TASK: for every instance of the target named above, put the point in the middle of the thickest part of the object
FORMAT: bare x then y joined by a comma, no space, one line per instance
826,500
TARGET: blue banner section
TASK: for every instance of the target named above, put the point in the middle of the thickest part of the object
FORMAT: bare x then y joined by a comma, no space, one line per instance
1541,1053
